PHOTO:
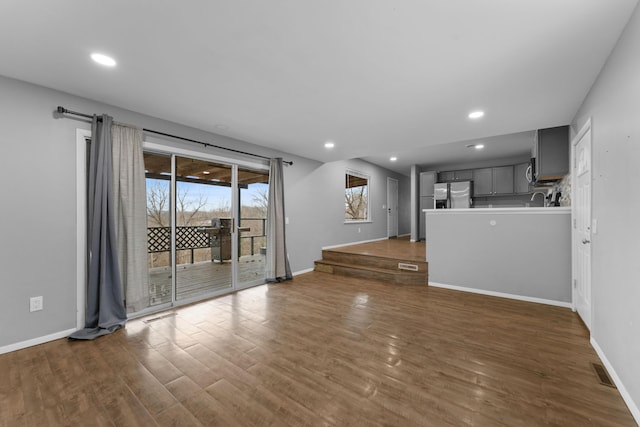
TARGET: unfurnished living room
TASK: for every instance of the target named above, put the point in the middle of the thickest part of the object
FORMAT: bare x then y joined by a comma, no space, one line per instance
320,213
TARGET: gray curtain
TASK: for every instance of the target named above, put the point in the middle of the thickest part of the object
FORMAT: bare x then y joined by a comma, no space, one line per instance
130,207
105,309
277,263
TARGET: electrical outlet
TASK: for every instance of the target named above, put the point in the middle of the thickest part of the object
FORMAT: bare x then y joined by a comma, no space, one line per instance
35,304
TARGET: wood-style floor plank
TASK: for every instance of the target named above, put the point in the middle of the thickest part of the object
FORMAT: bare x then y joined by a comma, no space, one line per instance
321,350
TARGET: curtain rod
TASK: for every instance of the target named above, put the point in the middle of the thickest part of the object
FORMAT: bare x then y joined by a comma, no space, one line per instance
62,110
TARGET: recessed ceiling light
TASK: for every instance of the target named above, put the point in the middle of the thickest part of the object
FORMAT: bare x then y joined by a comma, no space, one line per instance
476,114
329,144
479,146
103,59
206,172
393,159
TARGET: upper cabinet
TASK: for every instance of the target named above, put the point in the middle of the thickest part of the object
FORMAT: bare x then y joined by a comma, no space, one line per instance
493,181
451,176
482,182
503,180
427,179
551,154
464,175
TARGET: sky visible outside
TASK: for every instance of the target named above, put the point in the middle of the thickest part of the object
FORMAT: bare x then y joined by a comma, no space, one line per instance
216,196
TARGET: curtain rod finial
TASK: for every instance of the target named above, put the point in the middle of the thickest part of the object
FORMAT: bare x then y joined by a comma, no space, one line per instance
61,110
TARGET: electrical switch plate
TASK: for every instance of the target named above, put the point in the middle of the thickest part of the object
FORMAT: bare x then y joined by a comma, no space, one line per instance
35,304
594,226
286,220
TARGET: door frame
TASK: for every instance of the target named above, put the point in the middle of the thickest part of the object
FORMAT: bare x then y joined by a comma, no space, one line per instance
81,224
235,208
575,241
389,179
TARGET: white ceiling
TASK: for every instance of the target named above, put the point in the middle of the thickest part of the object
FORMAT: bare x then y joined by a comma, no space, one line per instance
514,147
377,77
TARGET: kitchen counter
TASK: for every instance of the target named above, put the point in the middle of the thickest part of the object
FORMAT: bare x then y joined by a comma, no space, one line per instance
552,210
522,253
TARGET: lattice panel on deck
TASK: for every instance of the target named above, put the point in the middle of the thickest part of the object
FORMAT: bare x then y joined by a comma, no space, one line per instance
159,239
191,238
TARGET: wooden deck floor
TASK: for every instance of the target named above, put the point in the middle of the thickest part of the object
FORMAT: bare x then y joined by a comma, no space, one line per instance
321,350
202,278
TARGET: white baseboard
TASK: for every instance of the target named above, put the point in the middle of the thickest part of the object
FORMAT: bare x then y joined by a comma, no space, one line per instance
354,243
306,270
635,411
502,295
35,341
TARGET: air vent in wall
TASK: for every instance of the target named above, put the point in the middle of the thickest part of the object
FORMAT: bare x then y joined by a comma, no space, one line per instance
405,266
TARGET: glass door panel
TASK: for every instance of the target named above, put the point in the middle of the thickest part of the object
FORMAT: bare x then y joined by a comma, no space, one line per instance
204,227
253,196
159,260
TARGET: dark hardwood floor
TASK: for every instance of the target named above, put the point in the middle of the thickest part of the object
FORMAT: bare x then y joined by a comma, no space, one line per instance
392,248
321,350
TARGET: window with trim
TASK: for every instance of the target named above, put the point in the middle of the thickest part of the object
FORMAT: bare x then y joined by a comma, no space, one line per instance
356,197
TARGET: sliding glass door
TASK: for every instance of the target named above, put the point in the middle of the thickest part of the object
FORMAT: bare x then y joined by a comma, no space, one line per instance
159,225
253,197
206,227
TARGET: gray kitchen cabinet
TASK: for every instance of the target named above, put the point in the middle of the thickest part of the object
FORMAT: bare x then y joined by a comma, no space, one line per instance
521,185
493,181
503,180
427,179
446,176
483,182
551,153
452,176
463,175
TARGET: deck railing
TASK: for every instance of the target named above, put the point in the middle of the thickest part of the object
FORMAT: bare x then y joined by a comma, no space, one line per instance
190,238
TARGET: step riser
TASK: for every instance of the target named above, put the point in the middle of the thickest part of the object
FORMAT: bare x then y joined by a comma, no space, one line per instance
371,261
394,277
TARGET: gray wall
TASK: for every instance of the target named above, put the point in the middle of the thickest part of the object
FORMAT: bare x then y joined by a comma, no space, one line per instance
315,207
614,107
38,193
525,254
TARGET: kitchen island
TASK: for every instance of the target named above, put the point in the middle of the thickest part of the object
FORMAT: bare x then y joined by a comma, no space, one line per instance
522,253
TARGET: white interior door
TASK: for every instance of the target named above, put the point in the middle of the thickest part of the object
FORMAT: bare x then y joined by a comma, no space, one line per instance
582,225
392,207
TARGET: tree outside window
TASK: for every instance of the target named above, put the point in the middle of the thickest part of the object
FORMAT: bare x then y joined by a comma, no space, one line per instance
356,197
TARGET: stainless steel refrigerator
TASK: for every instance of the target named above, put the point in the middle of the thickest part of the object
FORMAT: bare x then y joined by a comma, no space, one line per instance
460,194
441,195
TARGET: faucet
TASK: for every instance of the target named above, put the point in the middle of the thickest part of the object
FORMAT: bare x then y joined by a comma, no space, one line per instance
544,197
